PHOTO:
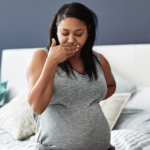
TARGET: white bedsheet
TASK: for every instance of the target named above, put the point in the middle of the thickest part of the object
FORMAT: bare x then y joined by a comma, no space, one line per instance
123,139
126,139
8,142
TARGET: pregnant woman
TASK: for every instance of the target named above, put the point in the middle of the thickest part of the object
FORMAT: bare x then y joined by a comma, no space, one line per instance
66,82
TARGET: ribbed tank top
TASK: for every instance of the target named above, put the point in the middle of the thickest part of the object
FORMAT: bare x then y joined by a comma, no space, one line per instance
73,120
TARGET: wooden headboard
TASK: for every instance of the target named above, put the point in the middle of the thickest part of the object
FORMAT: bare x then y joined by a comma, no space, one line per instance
130,61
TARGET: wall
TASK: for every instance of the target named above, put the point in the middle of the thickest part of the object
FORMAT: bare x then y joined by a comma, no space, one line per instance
25,23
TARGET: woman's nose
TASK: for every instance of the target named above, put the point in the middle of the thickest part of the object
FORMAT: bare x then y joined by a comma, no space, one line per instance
71,39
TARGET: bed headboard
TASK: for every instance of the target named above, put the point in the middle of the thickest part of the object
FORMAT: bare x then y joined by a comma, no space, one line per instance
130,61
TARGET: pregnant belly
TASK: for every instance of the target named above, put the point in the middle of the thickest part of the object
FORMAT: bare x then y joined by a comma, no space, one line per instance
78,128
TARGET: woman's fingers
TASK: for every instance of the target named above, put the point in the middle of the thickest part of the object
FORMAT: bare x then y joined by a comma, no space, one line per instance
71,47
69,44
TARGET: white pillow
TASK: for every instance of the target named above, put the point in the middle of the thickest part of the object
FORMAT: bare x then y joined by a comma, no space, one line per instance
12,91
140,99
112,107
16,117
122,84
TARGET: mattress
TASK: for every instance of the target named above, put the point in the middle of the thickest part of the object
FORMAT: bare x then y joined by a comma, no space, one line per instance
123,139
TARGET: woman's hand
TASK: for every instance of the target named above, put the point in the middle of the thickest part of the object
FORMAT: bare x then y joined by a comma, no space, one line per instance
62,52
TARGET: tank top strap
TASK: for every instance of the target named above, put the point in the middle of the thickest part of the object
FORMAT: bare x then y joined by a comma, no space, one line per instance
97,55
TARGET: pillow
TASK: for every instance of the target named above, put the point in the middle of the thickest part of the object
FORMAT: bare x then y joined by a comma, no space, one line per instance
140,99
3,86
123,85
12,91
16,117
134,119
112,107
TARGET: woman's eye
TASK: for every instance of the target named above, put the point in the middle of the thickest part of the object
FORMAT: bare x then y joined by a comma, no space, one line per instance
64,34
67,34
79,35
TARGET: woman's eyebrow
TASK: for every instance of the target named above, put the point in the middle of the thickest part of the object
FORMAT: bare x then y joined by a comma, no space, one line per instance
68,30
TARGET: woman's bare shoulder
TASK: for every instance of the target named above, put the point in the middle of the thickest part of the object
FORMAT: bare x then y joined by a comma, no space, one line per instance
41,51
37,59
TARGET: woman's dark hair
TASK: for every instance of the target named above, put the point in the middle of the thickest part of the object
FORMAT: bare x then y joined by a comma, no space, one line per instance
81,12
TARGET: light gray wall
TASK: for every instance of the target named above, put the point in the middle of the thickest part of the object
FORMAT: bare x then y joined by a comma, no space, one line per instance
25,23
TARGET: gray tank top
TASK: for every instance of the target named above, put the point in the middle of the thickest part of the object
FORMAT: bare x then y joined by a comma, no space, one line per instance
73,120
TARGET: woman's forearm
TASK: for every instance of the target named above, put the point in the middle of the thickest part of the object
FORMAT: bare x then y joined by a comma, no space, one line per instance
110,91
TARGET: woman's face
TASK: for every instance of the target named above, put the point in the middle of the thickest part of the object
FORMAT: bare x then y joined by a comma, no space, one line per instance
72,30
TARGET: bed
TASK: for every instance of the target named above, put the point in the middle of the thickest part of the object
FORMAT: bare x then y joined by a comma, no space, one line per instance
130,67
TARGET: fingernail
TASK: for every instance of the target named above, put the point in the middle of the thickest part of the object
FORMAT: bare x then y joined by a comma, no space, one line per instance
77,49
77,45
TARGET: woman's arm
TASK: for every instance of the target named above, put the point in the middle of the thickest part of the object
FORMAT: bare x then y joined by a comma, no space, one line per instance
40,74
110,91
111,83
